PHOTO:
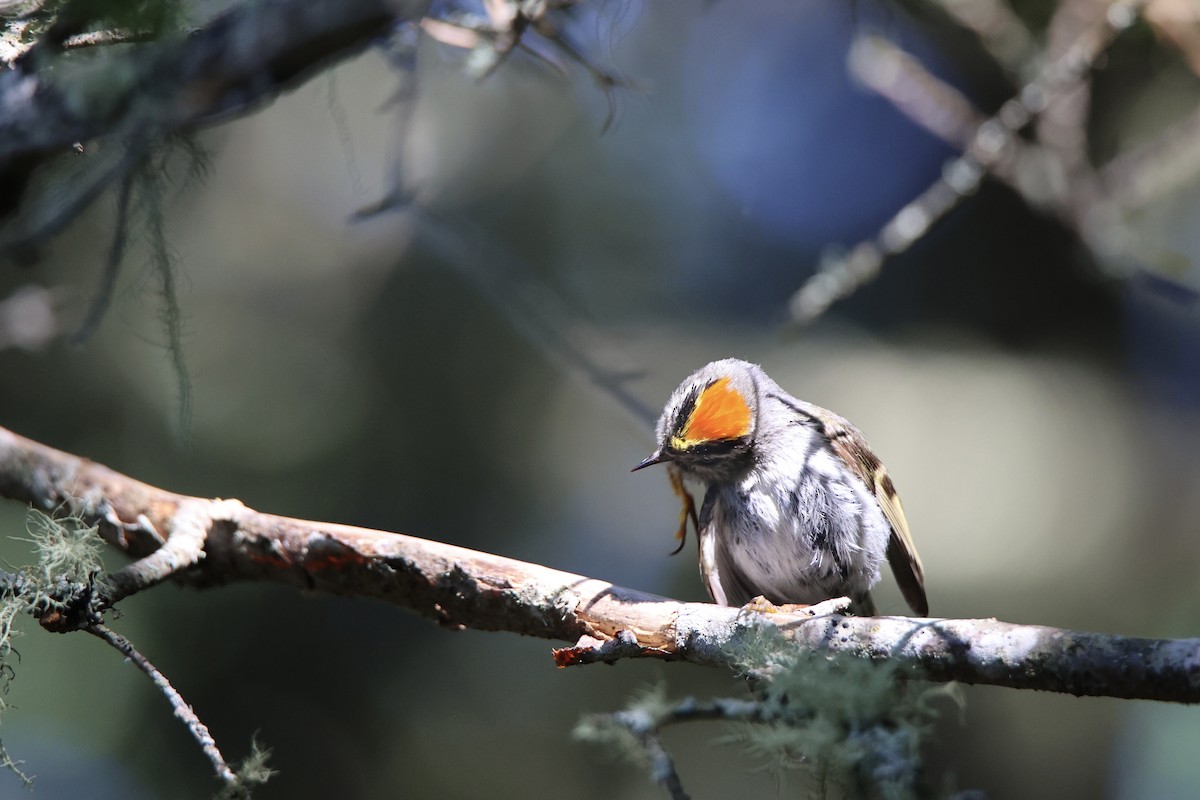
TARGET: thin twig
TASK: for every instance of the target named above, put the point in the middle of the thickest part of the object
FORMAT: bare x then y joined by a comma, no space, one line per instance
662,766
494,41
644,722
999,30
990,147
183,711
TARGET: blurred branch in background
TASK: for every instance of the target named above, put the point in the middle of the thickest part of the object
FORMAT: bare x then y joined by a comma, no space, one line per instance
211,543
1050,170
115,108
857,720
122,127
562,333
118,107
492,40
123,103
1000,30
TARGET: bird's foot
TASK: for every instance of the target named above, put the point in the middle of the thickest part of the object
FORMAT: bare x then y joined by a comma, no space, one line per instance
688,512
761,605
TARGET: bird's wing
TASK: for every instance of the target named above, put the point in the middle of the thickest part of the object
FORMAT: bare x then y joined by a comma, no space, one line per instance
849,444
725,582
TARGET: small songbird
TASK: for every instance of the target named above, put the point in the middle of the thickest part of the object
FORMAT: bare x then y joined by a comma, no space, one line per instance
796,509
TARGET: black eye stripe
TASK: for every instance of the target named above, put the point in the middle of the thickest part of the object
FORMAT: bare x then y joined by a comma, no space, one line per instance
720,448
689,405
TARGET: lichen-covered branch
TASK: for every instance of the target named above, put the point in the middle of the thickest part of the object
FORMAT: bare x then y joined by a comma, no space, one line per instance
464,588
250,53
645,719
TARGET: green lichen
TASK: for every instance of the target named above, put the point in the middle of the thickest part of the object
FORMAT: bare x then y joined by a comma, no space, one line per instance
68,553
65,547
845,727
851,727
251,773
645,710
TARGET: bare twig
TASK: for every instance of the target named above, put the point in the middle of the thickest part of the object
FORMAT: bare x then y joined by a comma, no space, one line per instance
1061,127
645,721
662,766
492,41
992,147
999,29
183,711
1176,22
466,588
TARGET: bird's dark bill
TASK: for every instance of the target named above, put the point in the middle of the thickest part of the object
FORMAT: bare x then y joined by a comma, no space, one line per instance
655,458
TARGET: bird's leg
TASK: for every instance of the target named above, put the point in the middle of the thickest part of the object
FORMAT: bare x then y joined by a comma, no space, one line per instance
689,506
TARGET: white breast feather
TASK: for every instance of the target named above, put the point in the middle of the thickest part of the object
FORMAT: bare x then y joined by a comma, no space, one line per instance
829,502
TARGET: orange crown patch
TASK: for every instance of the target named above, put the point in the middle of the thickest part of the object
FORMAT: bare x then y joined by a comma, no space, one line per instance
720,413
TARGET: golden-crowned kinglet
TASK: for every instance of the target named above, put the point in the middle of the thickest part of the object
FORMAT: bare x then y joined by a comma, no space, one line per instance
796,507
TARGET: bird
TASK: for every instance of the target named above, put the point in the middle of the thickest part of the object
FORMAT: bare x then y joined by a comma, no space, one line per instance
796,507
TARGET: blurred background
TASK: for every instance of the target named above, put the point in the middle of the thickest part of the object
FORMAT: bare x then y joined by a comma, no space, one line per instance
1035,395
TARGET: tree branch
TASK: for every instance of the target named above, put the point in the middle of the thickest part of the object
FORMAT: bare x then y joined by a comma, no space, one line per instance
1058,92
464,588
183,711
252,52
241,58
